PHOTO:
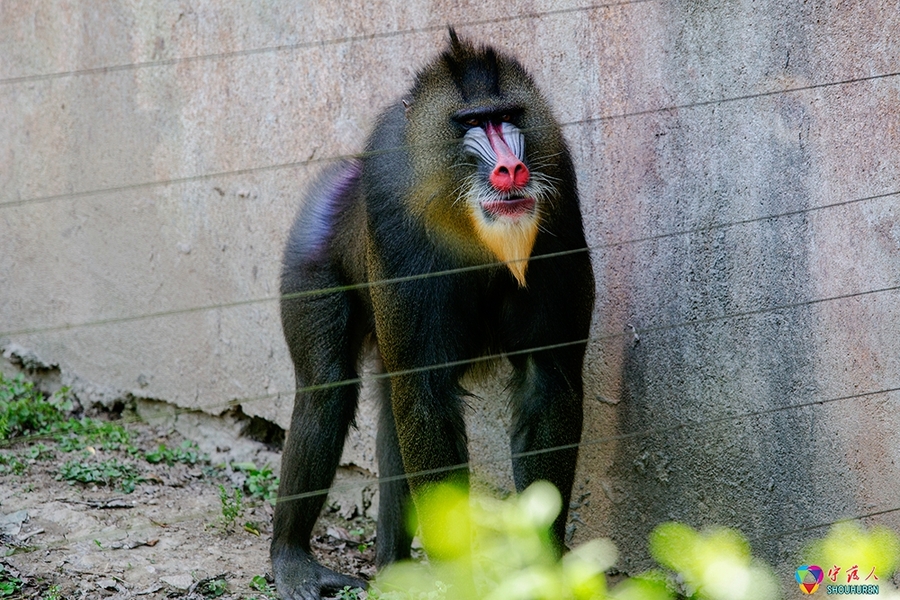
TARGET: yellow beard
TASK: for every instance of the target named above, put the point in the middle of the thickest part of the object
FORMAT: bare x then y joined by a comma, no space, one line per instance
510,241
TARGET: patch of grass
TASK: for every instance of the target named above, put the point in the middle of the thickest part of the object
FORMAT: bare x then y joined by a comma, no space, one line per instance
78,434
39,452
10,464
260,483
25,411
17,463
214,588
188,453
9,582
108,473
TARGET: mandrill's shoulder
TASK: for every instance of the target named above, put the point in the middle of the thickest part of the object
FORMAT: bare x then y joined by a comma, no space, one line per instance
386,168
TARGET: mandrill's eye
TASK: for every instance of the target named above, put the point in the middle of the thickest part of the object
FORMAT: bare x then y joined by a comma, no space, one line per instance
473,122
506,118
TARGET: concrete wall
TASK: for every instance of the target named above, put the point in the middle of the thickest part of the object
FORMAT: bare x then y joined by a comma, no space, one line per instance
736,159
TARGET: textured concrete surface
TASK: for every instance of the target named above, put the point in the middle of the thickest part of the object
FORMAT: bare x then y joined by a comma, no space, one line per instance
736,161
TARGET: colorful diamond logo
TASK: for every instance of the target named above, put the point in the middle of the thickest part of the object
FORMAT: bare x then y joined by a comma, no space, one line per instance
809,577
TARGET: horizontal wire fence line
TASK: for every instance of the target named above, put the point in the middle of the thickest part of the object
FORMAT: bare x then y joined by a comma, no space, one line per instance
219,406
686,425
312,44
808,528
448,272
493,357
629,333
209,516
330,159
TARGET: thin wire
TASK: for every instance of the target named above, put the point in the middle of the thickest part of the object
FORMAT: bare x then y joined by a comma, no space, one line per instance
237,303
759,311
493,357
206,517
644,331
744,97
292,296
347,486
747,221
314,161
341,383
176,181
785,534
685,425
304,45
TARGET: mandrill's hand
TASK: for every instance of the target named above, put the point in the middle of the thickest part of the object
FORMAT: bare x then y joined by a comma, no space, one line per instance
299,577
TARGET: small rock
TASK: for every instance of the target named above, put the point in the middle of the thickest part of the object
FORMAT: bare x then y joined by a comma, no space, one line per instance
179,582
11,524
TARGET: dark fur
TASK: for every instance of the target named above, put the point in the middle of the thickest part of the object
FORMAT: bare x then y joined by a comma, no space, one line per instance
375,219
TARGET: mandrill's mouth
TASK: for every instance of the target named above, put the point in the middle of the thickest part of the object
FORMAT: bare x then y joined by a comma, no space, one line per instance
512,208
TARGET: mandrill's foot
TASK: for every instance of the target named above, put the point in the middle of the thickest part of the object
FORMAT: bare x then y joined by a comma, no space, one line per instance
299,577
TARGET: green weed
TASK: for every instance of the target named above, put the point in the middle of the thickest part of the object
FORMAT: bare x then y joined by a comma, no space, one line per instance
10,464
215,588
107,473
349,593
25,411
188,453
232,505
362,546
78,434
260,483
52,593
9,583
17,463
261,585
40,452
9,586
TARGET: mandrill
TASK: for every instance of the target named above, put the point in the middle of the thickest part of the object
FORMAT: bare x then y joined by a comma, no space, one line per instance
429,248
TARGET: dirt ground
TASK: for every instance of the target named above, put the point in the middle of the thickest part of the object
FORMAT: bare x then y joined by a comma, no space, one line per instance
166,539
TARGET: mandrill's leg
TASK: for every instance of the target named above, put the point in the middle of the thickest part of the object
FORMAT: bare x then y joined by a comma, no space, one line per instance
546,426
394,539
316,330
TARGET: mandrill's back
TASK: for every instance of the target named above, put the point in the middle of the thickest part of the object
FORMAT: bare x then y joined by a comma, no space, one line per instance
328,232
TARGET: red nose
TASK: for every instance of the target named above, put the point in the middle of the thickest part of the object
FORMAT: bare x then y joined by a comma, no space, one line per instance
509,173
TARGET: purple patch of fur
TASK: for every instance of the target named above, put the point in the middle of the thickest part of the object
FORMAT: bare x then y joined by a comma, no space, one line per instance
328,198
